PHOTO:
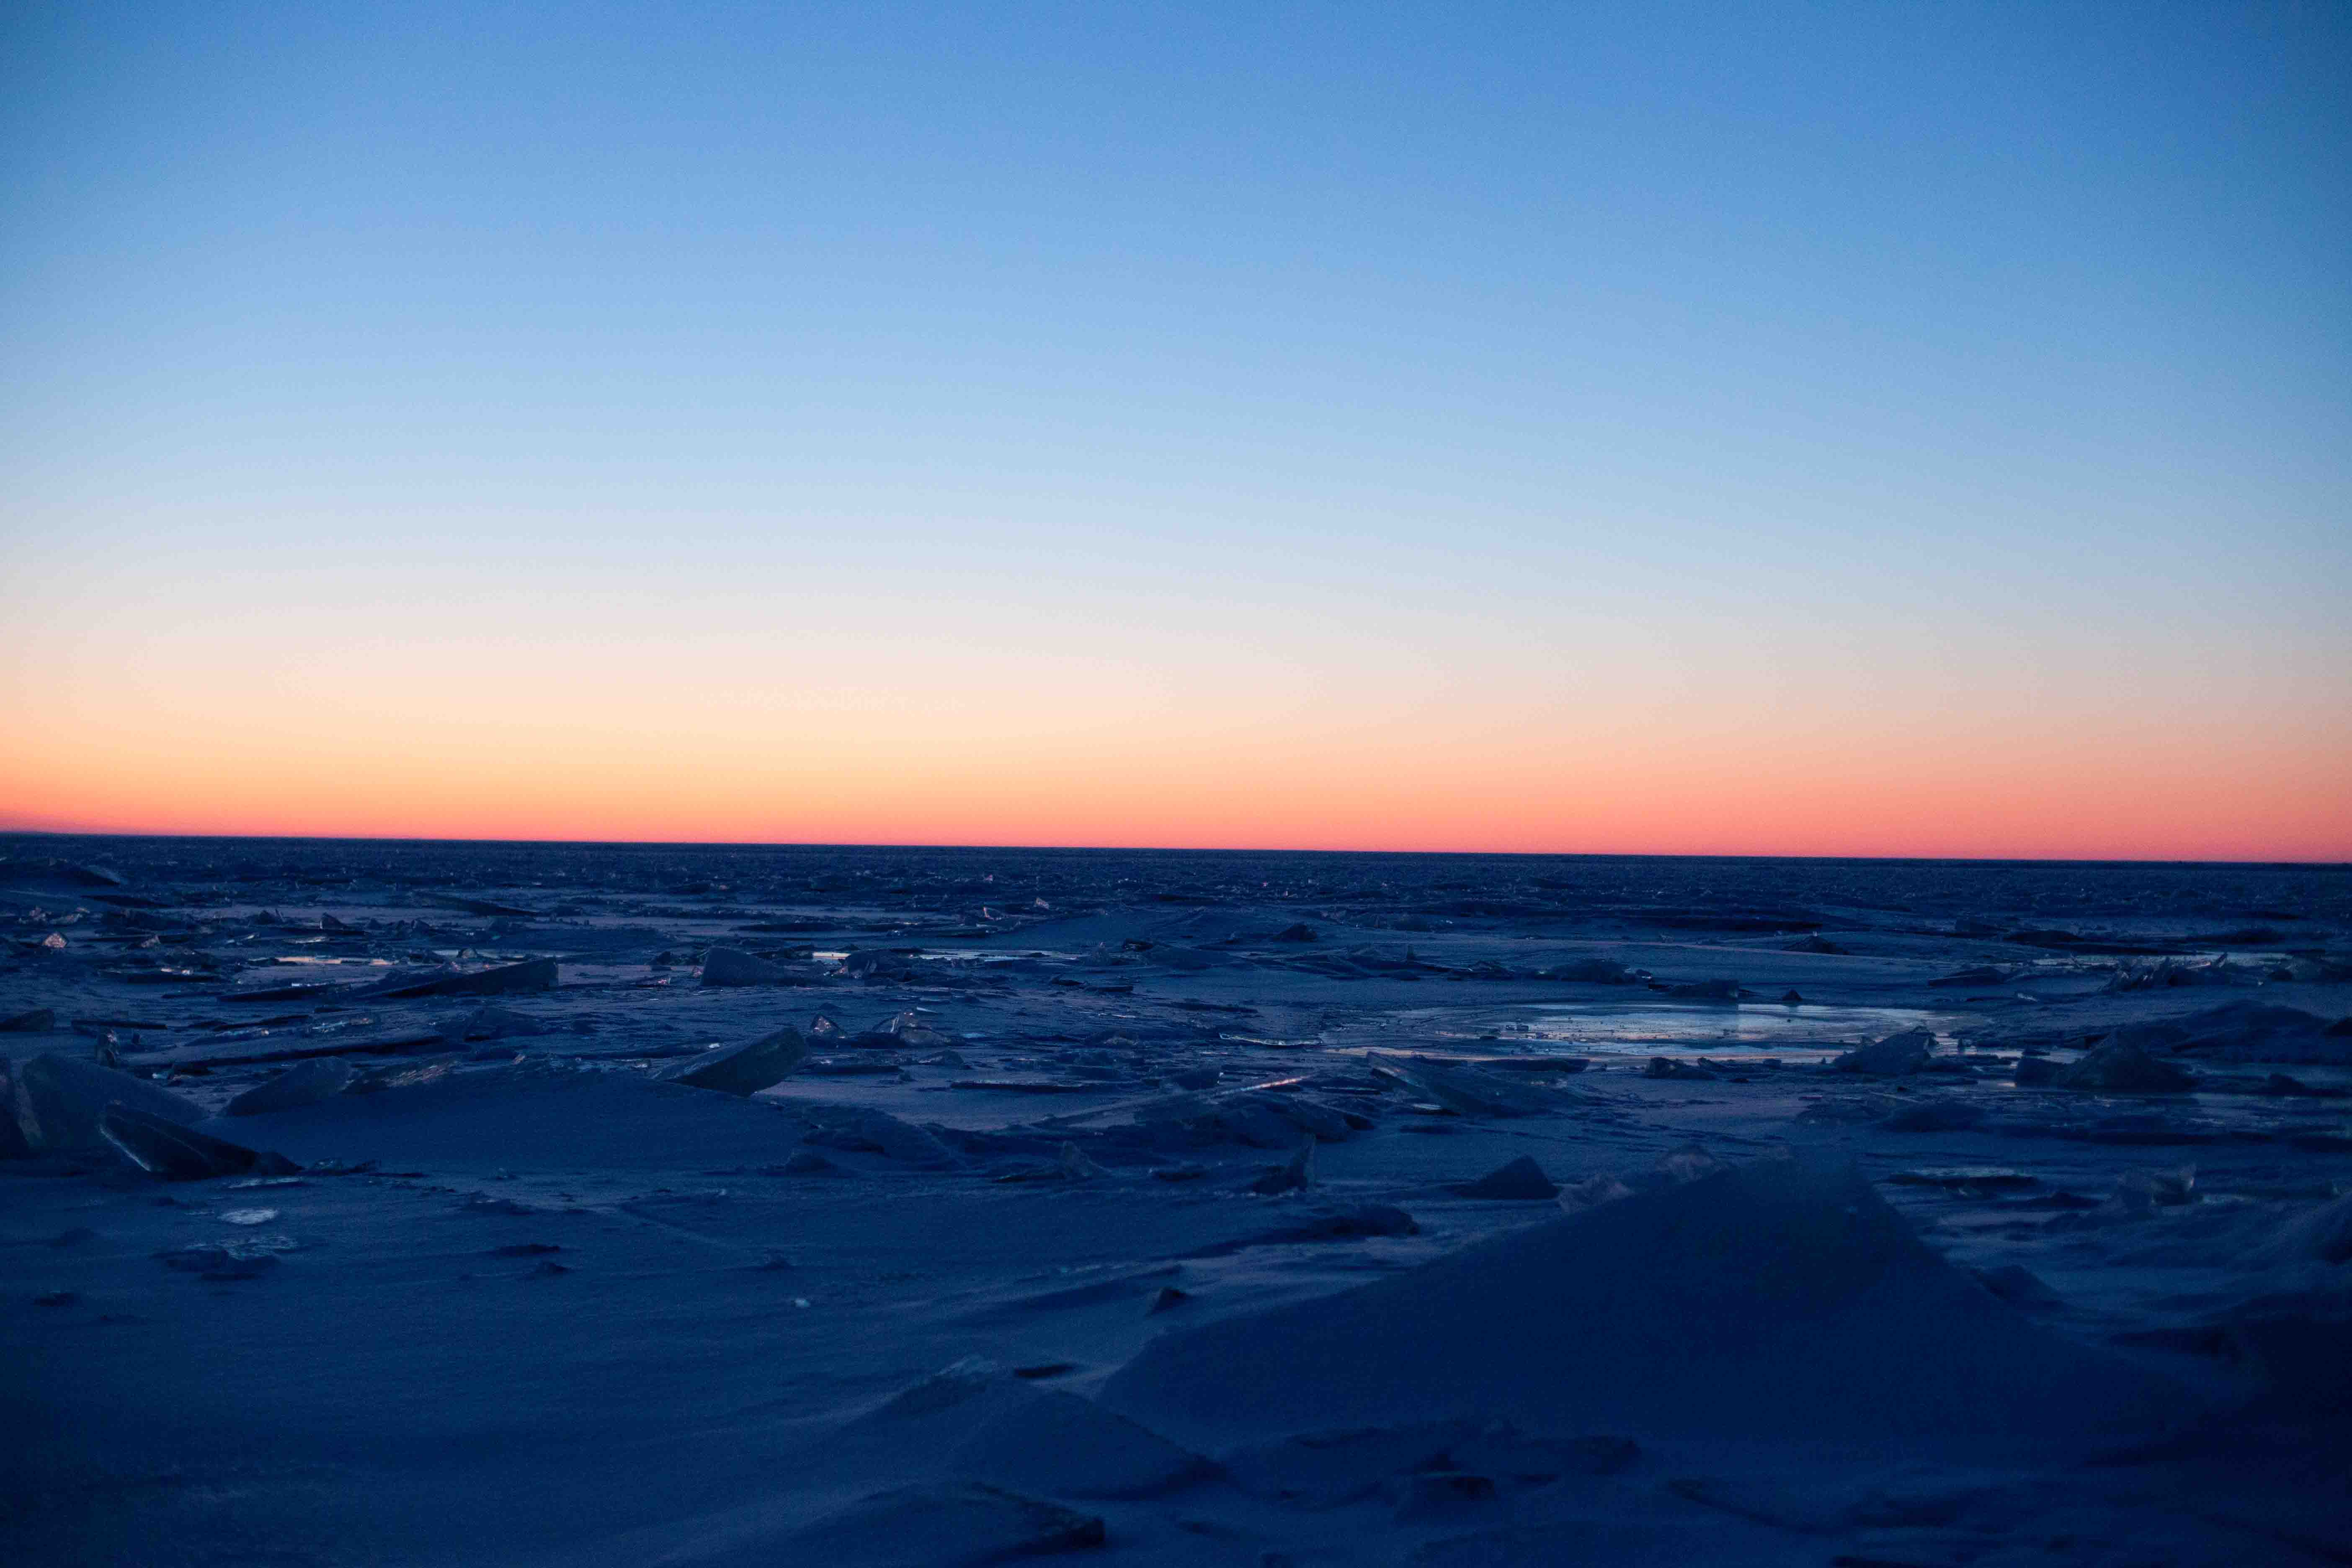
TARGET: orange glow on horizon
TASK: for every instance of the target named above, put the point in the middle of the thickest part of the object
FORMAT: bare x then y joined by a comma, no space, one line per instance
2051,802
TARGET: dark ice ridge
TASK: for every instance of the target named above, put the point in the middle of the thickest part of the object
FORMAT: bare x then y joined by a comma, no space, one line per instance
1440,1209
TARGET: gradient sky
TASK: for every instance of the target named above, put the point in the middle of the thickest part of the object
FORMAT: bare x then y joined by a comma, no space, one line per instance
1805,429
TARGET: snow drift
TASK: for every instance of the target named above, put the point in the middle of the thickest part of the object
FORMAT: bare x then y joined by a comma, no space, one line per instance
1783,1298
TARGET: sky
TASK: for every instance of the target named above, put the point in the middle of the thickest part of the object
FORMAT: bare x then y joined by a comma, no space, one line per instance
1842,429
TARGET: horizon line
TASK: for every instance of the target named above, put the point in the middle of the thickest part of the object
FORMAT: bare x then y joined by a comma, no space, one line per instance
1151,849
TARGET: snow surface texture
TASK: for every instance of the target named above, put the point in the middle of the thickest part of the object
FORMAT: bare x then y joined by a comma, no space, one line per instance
1781,1299
547,1205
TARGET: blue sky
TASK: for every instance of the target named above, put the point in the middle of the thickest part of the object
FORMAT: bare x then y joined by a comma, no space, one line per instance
1810,365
